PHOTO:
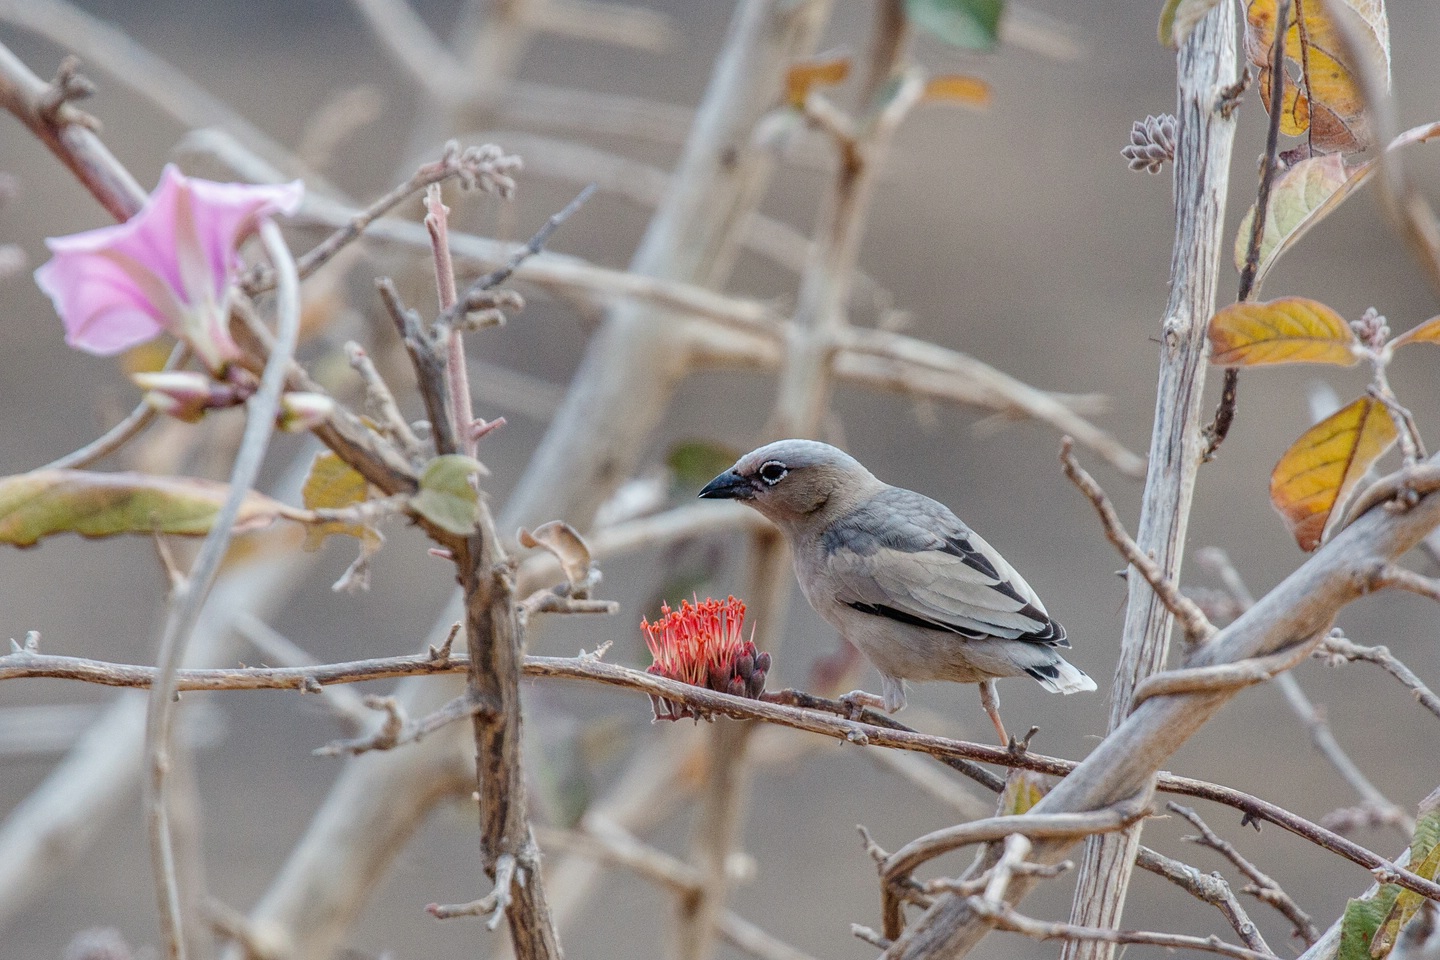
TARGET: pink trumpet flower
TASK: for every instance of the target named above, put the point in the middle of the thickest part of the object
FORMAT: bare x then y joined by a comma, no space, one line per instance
171,267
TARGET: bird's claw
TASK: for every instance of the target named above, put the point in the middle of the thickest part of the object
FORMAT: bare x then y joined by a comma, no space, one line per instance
856,701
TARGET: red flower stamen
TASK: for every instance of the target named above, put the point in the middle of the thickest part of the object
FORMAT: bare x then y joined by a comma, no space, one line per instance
703,645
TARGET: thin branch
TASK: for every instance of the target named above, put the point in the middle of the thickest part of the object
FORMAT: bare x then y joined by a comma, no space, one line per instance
1219,427
1002,917
187,600
1209,888
1197,626
380,403
397,729
895,870
1338,646
471,298
1262,886
123,432
1397,577
487,166
831,723
66,132
1223,677
1217,561
343,702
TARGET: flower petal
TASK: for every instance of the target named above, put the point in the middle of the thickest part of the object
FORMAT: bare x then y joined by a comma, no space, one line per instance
169,267
103,309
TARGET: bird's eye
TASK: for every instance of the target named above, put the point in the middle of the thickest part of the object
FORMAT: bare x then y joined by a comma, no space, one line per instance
773,472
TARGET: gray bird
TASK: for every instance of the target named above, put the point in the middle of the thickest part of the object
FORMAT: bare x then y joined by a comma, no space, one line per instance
900,576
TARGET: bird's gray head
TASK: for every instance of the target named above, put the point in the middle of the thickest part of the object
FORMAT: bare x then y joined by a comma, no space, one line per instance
793,481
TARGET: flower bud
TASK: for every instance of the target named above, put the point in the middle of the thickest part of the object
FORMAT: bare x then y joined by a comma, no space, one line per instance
304,411
183,394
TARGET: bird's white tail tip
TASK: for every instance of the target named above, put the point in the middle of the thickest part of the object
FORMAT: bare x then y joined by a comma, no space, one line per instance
1062,676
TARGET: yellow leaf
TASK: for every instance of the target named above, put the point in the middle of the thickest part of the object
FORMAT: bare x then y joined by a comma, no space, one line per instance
1023,789
1320,469
1326,103
958,88
1300,198
1179,17
816,72
148,357
1427,332
1288,330
332,484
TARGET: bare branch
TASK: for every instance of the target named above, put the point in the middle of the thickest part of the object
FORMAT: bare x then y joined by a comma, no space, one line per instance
188,599
1209,888
1002,917
1337,646
1261,886
831,723
1197,626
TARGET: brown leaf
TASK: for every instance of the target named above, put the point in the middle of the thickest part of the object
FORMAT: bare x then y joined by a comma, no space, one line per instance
1323,466
1326,103
1288,330
566,544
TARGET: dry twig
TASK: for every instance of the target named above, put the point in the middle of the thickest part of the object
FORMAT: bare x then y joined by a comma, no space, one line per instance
1261,885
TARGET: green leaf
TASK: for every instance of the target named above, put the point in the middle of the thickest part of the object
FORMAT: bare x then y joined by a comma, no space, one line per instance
1371,926
1178,18
447,498
1362,918
1300,198
46,502
694,463
969,24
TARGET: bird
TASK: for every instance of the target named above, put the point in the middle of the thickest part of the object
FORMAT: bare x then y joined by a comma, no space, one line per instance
900,576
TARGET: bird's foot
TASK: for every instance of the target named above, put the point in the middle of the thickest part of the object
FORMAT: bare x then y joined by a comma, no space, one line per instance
856,701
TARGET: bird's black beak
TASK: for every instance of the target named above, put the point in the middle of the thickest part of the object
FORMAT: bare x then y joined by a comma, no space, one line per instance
728,486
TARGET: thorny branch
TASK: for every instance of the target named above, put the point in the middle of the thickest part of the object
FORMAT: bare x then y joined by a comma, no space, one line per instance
833,722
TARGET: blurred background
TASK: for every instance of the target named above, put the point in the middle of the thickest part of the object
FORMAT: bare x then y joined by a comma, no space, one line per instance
1015,234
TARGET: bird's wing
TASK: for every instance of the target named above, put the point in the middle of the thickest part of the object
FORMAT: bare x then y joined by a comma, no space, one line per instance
907,557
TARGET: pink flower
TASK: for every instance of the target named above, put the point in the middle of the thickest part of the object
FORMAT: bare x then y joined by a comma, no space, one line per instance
704,646
168,268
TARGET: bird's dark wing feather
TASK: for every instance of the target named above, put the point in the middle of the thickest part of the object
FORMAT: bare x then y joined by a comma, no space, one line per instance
927,568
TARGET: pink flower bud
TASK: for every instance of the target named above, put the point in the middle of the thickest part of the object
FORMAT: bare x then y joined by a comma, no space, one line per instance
182,394
304,411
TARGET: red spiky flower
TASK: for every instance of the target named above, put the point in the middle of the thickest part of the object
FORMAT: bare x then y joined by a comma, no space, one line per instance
703,645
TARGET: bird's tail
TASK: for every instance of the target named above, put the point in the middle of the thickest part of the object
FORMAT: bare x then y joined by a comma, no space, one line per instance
1062,676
